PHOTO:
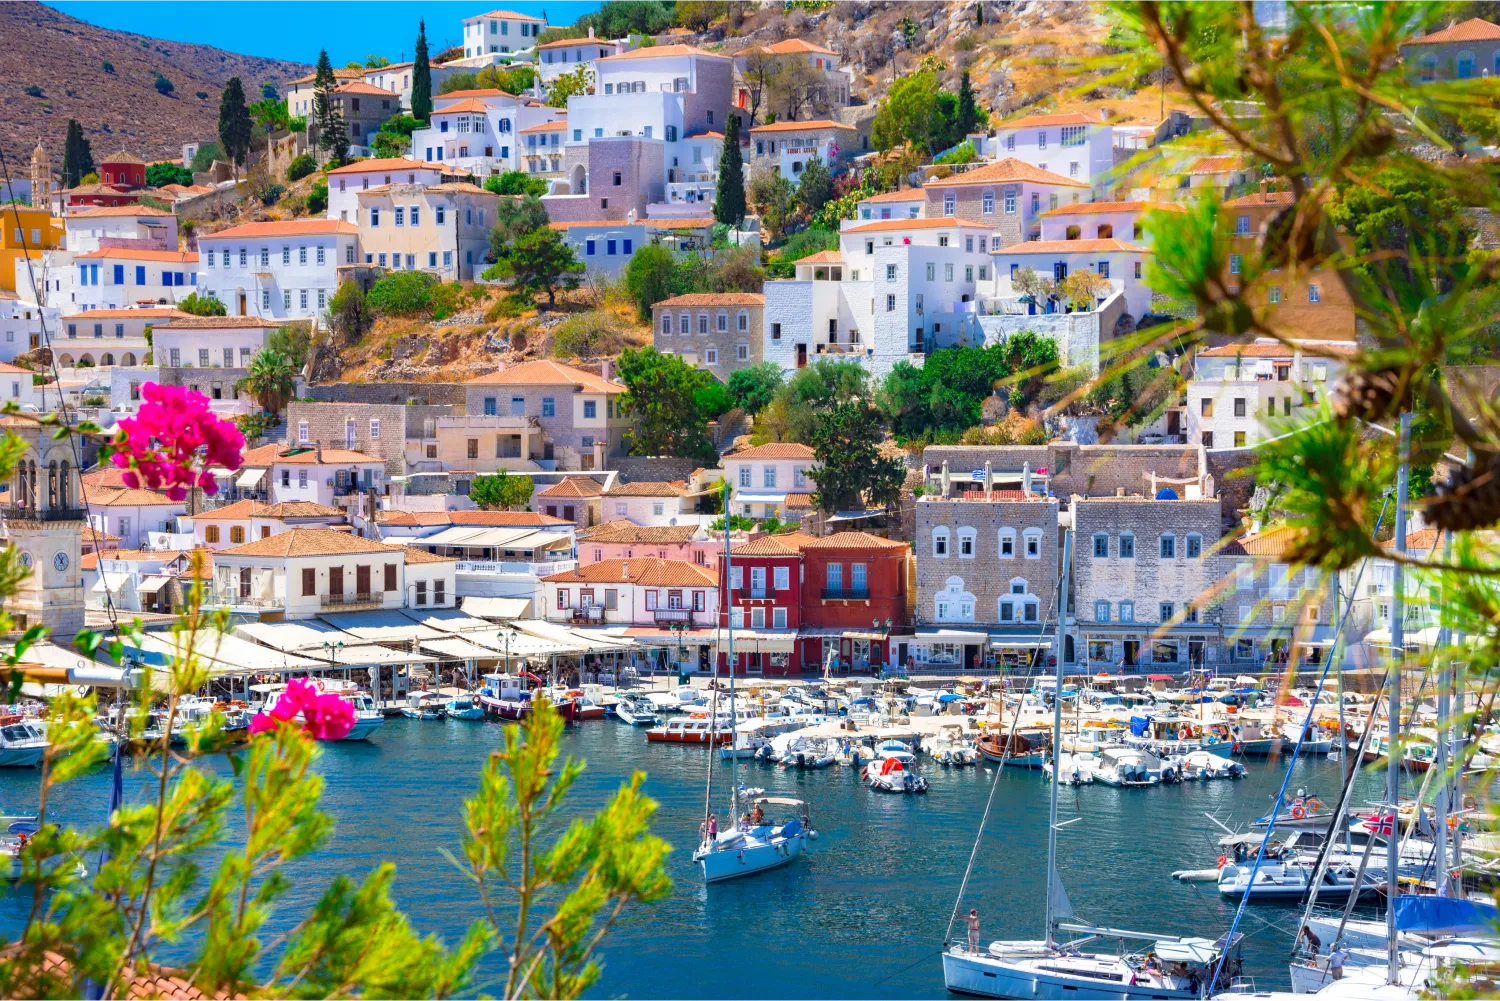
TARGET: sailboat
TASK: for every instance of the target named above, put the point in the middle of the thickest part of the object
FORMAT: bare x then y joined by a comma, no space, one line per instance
756,841
1171,966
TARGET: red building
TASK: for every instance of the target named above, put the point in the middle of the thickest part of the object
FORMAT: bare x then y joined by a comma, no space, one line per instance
121,180
794,600
123,171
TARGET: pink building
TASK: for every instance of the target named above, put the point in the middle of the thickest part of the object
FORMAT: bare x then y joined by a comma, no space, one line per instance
623,540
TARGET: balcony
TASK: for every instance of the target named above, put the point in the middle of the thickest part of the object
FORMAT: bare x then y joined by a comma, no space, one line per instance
352,600
233,599
846,593
674,616
752,593
46,514
534,569
588,613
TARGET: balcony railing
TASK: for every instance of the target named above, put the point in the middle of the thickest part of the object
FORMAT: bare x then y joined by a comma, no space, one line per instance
351,599
588,613
665,616
45,514
753,592
534,569
233,599
846,593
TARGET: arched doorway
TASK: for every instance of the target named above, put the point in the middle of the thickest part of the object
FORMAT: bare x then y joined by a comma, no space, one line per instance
579,184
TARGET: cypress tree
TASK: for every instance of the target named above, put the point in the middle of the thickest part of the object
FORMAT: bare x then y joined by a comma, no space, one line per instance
78,157
234,123
329,124
421,78
969,116
729,200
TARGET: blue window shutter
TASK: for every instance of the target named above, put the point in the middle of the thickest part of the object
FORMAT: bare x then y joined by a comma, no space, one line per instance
627,247
140,274
609,247
588,248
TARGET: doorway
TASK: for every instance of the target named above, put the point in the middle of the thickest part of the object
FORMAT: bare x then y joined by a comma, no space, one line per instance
1132,652
242,304
801,355
1174,422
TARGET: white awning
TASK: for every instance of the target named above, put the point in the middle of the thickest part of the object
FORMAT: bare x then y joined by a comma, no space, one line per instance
583,641
221,654
373,656
445,621
309,635
151,585
497,608
963,636
381,626
116,583
509,642
518,539
745,497
756,641
454,648
249,479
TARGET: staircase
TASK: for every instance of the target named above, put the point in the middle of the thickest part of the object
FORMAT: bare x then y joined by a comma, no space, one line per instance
276,433
731,425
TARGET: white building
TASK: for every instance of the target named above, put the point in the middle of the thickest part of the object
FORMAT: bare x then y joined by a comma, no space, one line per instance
346,182
761,477
248,520
649,503
1242,394
396,79
278,270
1103,221
636,592
603,246
1072,145
330,477
311,571
442,229
130,226
501,31
16,387
210,342
132,514
907,203
477,131
541,146
108,337
898,288
566,55
121,277
22,322
1120,262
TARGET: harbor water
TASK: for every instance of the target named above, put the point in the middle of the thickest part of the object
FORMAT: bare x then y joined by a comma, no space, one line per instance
862,914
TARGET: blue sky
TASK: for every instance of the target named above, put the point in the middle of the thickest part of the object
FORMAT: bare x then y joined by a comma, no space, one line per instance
296,31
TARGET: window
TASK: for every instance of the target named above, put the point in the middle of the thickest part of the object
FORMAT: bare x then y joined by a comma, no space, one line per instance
1194,546
890,303
890,272
1127,611
768,477
1239,407
1167,611
987,203
1236,262
309,582
947,272
950,203
211,534
1314,293
1239,439
1242,225
1101,612
940,543
237,534
966,543
590,410
1007,543
1101,546
1033,537
1168,546
1127,545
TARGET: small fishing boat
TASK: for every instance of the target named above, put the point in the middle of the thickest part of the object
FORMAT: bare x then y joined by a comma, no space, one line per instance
21,746
1026,750
699,730
894,771
367,715
1125,766
503,697
1073,769
463,707
636,713
949,746
808,752
584,707
427,711
1290,881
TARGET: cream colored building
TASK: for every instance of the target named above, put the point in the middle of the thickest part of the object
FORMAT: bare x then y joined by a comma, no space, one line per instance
442,229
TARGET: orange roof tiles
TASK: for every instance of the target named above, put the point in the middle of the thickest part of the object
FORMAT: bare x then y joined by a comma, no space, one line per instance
124,211
625,532
786,544
790,46
715,299
664,52
455,95
646,488
508,15
472,106
311,542
574,486
819,123
565,43
897,225
1098,208
821,257
1475,29
647,570
162,312
1216,164
854,540
128,497
1009,169
513,519
285,227
558,126
1261,199
1062,118
705,222
359,87
1106,246
374,166
776,450
1275,349
190,322
547,373
423,556
120,253
901,195
304,455
798,501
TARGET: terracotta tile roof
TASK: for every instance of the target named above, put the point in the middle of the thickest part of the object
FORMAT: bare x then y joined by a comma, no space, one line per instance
1423,541
1275,349
122,157
10,369
793,45
1475,29
786,544
414,519
508,15
587,223
798,500
647,488
237,511
664,52
161,312
1009,169
624,532
1062,118
821,257
1261,199
339,73
189,322
564,43
359,87
413,555
854,540
471,106
298,509
547,373
285,227
1099,208
715,299
904,225
516,519
901,195
705,222
776,450
304,455
311,542
819,123
126,497
122,211
704,134
93,536
376,166
120,253
458,95
1216,164
1274,542
647,570
558,126
104,478
129,555
574,486
1107,246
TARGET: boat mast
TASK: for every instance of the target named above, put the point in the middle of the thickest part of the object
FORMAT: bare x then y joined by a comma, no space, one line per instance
1057,656
734,761
1393,741
1441,802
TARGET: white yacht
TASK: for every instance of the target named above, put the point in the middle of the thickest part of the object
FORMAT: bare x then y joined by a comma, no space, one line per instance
21,746
1075,768
757,844
1173,967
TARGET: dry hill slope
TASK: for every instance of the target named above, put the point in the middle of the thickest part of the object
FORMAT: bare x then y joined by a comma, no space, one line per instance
65,57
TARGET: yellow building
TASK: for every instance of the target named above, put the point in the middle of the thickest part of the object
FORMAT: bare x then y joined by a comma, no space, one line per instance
35,231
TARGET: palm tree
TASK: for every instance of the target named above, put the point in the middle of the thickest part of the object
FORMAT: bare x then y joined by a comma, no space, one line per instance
272,380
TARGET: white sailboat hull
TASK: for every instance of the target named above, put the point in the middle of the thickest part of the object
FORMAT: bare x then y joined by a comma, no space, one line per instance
731,863
1028,977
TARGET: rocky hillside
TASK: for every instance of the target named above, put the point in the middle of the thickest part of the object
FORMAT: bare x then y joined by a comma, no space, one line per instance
107,80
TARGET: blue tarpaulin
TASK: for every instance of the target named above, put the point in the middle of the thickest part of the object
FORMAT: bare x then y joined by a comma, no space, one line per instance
1138,725
1444,915
949,697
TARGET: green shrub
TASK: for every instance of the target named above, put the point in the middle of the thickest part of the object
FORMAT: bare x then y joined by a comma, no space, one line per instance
301,165
163,85
964,152
109,67
401,293
201,95
159,175
33,91
271,194
713,400
317,198
202,305
588,335
205,157
447,299
803,244
515,182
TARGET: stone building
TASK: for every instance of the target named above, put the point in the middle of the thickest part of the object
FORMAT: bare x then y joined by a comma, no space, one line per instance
372,428
1268,604
1460,51
717,331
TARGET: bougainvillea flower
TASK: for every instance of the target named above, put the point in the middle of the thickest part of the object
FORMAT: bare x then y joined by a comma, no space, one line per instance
324,716
175,429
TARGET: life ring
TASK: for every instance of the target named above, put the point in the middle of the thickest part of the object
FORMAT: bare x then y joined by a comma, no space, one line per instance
1297,812
1313,806
1469,801
1223,861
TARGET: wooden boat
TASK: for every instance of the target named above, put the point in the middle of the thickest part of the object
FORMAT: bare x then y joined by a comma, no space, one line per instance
1026,750
691,730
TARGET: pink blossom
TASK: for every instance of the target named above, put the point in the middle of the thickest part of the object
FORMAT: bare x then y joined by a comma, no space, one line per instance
324,716
160,446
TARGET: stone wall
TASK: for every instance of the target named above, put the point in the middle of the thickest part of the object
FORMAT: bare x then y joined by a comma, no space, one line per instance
1077,335
327,425
985,573
430,393
653,468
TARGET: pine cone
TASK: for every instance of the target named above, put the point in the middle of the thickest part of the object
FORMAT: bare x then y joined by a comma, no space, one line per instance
1368,395
1470,500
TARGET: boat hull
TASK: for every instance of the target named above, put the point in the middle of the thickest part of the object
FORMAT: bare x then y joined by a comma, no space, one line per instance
726,864
697,737
987,977
364,727
27,756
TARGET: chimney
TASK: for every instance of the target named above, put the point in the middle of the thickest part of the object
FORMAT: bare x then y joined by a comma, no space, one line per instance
1026,477
945,478
1103,114
989,477
591,31
318,451
630,218
606,369
598,455
1265,185
1119,491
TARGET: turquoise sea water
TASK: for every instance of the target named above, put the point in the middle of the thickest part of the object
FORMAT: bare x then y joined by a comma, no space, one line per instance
862,915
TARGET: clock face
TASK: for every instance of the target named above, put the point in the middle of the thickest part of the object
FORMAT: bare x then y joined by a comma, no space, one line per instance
60,562
26,560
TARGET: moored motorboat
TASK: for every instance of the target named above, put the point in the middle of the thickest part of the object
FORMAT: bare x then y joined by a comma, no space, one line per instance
700,730
463,707
21,746
894,771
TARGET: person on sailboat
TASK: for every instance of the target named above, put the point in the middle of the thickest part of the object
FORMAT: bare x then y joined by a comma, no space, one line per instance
1311,940
1336,959
757,816
973,929
713,827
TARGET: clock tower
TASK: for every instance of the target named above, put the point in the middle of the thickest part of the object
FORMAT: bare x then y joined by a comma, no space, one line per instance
44,519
